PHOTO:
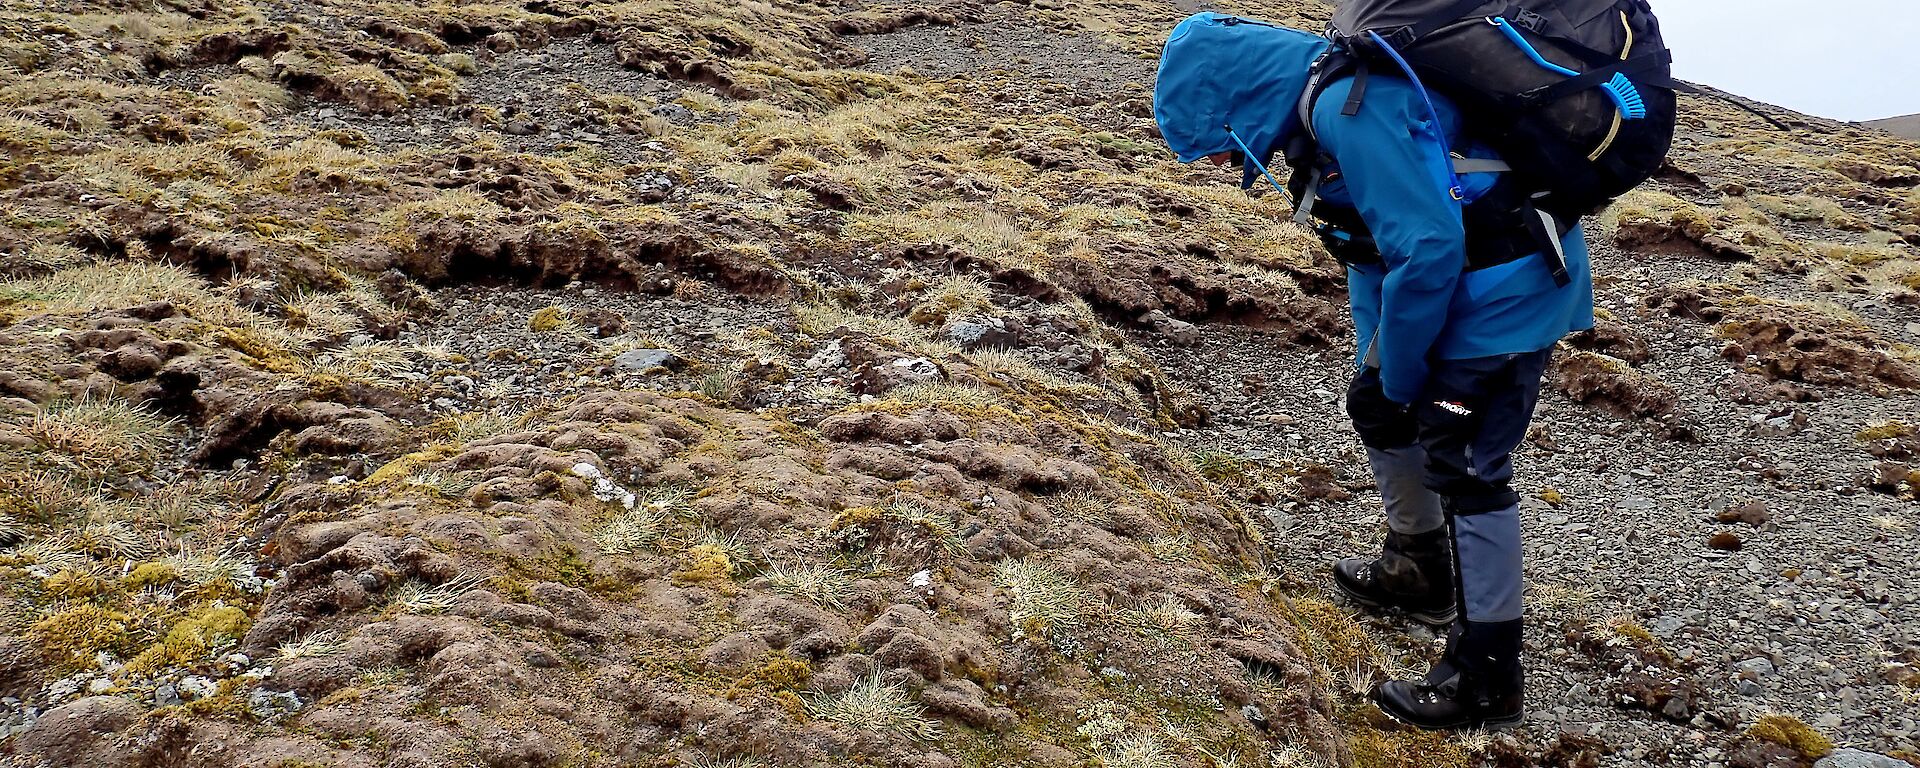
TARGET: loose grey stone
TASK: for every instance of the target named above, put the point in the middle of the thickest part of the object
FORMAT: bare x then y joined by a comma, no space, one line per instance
271,705
673,113
643,360
195,687
1178,331
978,332
655,188
828,357
1853,758
1667,625
1755,667
916,369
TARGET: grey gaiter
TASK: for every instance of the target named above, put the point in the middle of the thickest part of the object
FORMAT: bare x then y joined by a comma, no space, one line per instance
1401,475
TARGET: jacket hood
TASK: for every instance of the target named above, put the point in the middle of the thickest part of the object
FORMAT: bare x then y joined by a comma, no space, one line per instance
1220,71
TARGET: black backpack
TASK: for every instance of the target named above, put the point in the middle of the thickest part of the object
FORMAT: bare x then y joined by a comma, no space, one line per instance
1577,96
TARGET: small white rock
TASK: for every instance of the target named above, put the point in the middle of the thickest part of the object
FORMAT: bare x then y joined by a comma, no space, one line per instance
604,488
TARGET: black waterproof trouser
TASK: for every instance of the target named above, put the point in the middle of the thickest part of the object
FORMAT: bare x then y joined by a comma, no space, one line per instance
1465,426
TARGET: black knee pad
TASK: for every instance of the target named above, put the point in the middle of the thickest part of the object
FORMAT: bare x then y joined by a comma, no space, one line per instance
1381,423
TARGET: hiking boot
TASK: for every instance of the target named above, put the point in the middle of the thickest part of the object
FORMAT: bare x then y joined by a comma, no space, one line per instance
1478,684
1413,574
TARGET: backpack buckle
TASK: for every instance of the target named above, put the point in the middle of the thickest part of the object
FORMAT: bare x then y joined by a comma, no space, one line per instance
1402,38
1533,22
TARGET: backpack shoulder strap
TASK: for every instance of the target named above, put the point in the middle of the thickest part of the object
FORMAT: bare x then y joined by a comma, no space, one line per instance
1329,67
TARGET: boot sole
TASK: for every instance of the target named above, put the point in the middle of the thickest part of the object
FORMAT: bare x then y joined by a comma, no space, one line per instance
1434,620
1507,723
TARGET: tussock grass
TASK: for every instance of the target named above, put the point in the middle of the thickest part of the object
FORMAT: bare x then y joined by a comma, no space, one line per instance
829,395
956,397
207,567
415,596
669,501
1139,749
751,178
1168,622
118,285
987,233
737,761
829,586
320,315
1171,547
938,528
163,164
51,555
459,206
198,204
1883,522
378,360
1082,504
1807,208
474,427
1573,602
729,543
1216,465
1115,740
446,485
251,93
954,296
47,497
42,258
1862,256
278,168
114,539
310,646
721,386
99,435
1015,366
631,531
181,505
873,705
821,320
1042,600
24,136
1644,205
384,676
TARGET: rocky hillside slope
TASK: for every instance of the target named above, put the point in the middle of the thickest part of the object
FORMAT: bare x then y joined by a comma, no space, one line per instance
581,383
1908,126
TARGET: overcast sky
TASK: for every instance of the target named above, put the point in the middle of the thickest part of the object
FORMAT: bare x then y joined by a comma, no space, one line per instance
1845,59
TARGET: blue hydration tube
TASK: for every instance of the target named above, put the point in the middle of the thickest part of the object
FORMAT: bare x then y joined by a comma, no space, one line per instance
1621,89
1454,189
1248,154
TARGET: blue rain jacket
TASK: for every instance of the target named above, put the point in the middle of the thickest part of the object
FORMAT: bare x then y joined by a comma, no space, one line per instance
1420,304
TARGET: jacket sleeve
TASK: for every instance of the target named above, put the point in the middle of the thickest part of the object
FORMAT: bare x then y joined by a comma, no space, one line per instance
1397,176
